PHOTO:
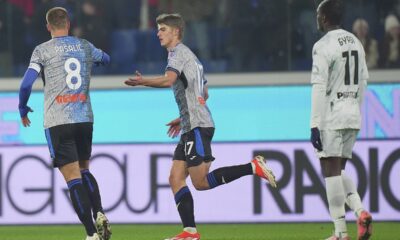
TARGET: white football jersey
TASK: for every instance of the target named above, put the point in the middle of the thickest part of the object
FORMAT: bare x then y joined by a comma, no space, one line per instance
339,77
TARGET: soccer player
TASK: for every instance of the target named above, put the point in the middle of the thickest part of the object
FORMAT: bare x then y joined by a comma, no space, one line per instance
339,78
193,156
65,63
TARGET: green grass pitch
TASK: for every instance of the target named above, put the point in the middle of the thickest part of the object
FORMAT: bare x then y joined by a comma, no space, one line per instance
273,231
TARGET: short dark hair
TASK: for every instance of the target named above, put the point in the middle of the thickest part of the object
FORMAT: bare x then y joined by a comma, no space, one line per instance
333,11
173,20
57,17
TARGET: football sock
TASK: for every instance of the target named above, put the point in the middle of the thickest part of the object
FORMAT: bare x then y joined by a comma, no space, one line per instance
92,188
353,199
184,203
228,174
81,204
335,195
190,230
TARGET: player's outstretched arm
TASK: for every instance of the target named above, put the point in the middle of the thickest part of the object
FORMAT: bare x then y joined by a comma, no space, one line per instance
158,82
174,128
24,94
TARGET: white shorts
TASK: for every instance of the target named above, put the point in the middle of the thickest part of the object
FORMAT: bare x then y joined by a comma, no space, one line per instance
337,143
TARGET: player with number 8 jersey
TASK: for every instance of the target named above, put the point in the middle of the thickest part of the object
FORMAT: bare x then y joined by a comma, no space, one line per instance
65,63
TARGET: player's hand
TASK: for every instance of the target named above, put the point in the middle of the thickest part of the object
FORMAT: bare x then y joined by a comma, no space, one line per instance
137,80
174,128
316,139
25,121
23,111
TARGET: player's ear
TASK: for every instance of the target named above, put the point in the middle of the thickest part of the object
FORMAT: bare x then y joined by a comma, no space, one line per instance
324,19
48,27
176,32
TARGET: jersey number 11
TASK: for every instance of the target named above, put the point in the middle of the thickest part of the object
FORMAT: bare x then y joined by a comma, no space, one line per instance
347,73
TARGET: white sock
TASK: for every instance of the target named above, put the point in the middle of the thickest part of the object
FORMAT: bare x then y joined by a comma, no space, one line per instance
190,229
353,199
336,201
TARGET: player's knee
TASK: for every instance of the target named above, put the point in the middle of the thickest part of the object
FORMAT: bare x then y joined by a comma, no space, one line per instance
175,180
200,185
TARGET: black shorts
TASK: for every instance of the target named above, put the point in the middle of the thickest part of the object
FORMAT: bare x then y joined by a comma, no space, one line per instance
69,142
195,146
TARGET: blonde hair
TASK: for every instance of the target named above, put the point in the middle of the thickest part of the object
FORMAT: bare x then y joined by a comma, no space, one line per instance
57,17
174,20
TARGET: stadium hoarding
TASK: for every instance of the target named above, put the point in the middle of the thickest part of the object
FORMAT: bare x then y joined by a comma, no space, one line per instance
276,113
134,183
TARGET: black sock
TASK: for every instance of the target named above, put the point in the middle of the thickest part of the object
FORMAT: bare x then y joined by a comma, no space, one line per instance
81,203
92,188
184,203
228,174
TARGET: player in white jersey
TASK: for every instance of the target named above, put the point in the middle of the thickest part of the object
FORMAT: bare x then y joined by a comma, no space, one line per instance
339,78
193,156
65,63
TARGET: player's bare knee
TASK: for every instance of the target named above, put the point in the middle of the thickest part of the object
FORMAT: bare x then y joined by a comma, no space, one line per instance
200,185
175,180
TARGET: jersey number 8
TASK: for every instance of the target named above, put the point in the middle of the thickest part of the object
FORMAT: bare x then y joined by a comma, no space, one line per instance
73,73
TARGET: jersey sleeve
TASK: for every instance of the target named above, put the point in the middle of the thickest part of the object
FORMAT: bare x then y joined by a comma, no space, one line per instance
364,69
176,62
320,67
319,79
36,63
97,54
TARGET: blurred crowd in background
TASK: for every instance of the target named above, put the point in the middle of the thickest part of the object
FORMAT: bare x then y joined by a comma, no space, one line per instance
227,35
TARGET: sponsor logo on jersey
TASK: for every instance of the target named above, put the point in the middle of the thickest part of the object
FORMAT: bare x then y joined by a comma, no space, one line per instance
70,98
201,101
347,94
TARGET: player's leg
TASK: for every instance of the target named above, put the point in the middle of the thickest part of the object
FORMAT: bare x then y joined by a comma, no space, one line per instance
78,195
331,168
200,156
330,159
182,195
63,151
84,147
228,174
353,200
90,183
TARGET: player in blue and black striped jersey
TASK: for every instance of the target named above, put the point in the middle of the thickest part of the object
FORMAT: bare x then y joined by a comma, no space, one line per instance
65,63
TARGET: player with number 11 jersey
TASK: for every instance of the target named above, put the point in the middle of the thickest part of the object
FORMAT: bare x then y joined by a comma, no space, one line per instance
340,74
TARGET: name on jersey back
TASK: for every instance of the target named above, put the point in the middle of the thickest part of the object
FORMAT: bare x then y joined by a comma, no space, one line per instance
346,40
68,48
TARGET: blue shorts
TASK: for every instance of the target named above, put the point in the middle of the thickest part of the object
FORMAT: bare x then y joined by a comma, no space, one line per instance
69,142
194,146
